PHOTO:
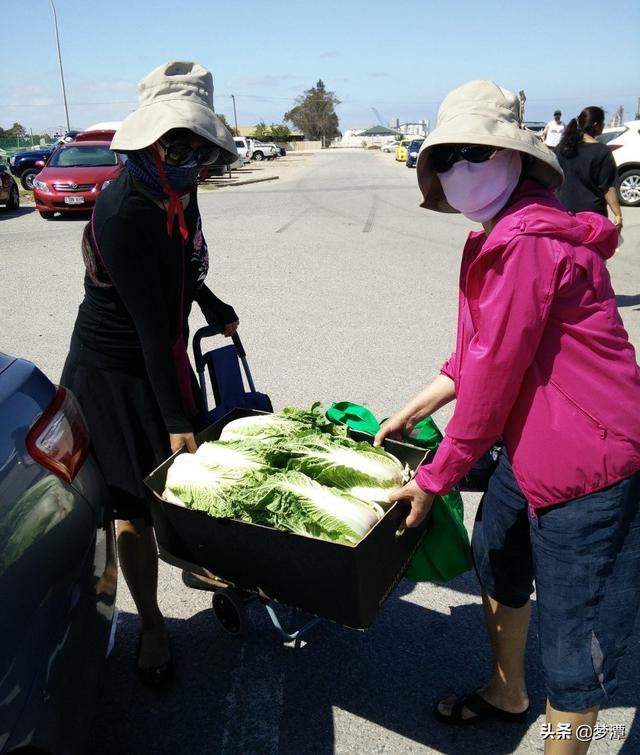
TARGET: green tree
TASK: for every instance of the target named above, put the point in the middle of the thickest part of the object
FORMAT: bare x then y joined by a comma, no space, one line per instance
314,114
276,132
261,131
17,130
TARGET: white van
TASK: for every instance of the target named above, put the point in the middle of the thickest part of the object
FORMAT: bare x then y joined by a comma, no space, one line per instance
244,148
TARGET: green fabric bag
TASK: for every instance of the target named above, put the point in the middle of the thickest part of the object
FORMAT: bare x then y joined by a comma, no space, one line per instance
445,552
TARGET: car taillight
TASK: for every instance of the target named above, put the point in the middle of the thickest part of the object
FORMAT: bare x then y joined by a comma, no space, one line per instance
59,440
614,147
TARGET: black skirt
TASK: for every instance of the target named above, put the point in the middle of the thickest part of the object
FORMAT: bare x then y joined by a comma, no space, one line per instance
128,435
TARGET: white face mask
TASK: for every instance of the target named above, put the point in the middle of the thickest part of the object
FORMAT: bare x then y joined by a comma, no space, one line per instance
480,190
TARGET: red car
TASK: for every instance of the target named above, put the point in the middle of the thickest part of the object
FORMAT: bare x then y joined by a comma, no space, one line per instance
75,174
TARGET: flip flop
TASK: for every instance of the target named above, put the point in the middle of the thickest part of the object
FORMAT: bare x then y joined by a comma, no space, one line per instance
482,710
155,676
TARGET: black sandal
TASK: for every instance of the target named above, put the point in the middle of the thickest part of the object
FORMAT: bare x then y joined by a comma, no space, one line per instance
482,710
155,676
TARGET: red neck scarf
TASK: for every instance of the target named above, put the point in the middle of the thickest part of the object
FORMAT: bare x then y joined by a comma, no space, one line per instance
175,201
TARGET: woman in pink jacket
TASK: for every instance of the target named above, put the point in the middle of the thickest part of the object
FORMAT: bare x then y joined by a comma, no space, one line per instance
542,361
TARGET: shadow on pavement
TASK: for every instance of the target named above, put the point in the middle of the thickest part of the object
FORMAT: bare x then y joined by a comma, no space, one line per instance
623,300
260,696
4,213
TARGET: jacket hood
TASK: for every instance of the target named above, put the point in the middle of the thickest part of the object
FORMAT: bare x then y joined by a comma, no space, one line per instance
536,211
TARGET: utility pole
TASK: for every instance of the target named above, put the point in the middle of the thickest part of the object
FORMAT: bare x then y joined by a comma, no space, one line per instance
235,115
64,92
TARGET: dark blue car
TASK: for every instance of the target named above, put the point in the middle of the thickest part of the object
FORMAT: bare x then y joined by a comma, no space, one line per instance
57,566
412,152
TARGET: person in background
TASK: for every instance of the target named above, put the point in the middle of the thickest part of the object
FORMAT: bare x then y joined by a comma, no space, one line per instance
146,262
542,361
553,131
590,171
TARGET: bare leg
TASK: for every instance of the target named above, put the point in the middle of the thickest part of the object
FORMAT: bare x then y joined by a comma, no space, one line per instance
139,563
575,719
507,629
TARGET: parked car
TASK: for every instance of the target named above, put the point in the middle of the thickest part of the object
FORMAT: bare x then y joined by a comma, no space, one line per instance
9,193
412,152
389,147
263,150
402,151
58,567
624,142
244,148
537,126
74,176
23,164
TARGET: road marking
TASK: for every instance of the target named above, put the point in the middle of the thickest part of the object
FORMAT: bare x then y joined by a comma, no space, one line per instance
291,222
368,226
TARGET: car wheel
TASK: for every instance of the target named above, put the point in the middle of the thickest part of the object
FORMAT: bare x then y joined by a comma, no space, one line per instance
26,179
629,187
258,156
14,199
46,214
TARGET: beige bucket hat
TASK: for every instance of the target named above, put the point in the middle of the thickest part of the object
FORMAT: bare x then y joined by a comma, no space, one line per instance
177,94
481,112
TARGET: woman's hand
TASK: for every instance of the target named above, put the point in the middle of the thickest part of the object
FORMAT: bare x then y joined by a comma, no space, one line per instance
395,428
617,221
420,501
230,328
182,440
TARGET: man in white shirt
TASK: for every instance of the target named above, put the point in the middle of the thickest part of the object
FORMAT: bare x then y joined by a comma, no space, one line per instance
553,131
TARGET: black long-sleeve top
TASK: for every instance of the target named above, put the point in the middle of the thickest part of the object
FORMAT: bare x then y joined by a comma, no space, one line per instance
131,322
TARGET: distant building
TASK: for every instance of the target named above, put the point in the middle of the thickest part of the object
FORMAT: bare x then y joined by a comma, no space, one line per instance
412,128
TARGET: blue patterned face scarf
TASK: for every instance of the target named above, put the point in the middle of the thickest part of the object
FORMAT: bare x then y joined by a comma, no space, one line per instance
181,178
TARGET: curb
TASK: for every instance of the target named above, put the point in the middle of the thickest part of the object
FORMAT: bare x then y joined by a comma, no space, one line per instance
241,183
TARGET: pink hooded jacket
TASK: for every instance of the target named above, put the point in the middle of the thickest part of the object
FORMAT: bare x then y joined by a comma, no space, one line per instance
542,358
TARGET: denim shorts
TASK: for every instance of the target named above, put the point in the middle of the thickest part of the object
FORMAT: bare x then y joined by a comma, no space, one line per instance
584,557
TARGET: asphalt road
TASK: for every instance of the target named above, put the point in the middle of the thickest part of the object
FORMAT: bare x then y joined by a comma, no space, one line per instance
346,289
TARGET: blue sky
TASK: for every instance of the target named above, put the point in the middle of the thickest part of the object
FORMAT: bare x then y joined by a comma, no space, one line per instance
371,54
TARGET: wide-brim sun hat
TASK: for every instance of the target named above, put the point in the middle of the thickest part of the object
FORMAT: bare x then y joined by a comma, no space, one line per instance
178,94
481,112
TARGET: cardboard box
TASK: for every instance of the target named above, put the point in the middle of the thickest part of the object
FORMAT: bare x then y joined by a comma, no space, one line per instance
346,584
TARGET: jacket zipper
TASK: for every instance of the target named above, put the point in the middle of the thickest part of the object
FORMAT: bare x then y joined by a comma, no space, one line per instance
601,429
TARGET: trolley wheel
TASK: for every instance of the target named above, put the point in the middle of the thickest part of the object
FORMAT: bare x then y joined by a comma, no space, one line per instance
228,606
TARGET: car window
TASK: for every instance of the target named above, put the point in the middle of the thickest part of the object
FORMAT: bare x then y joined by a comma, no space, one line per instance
611,135
85,156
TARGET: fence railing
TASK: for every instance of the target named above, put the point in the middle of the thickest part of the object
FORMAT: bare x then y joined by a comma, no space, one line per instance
23,143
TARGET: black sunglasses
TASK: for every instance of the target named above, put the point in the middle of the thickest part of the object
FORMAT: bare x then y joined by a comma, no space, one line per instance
444,156
180,153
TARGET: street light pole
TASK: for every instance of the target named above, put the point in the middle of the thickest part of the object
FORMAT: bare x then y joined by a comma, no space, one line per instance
235,116
64,92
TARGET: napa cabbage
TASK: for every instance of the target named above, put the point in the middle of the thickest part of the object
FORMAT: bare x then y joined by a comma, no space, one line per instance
218,491
263,427
362,465
301,505
239,455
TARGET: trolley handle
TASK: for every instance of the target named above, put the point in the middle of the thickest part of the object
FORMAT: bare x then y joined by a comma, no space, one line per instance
207,332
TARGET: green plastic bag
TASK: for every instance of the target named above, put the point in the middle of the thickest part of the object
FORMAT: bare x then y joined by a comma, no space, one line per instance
445,552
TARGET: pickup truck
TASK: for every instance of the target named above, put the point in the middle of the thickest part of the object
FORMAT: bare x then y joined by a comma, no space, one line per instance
263,150
23,164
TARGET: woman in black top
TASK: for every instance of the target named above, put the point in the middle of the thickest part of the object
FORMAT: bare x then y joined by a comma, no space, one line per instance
146,261
589,168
